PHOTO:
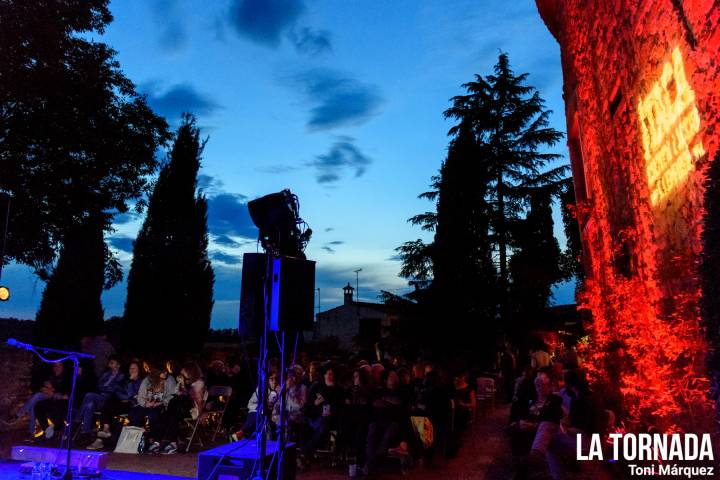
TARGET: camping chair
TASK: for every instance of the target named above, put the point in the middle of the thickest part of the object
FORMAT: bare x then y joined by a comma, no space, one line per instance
486,392
210,419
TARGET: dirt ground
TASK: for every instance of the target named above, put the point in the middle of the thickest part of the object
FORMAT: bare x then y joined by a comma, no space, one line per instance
484,455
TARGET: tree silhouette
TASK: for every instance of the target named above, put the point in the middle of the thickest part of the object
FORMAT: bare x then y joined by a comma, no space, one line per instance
71,305
536,263
495,170
510,124
170,284
464,276
78,142
709,267
572,265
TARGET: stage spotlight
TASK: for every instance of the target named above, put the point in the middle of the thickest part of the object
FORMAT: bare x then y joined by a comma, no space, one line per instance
4,294
282,231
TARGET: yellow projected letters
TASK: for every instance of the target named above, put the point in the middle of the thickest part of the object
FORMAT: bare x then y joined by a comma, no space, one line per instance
669,123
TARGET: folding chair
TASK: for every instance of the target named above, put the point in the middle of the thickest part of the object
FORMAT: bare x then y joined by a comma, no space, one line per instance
208,415
486,392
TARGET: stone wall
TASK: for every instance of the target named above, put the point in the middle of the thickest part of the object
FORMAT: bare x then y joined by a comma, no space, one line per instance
642,93
15,386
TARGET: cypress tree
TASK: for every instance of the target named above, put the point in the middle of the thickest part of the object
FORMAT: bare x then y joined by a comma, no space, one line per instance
463,273
170,284
535,265
71,305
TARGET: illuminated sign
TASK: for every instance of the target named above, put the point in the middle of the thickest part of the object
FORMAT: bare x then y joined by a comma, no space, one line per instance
669,122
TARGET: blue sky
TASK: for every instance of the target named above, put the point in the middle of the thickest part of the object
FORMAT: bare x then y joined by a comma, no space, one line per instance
340,101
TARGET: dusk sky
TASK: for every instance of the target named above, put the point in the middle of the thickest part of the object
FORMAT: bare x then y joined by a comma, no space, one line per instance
340,101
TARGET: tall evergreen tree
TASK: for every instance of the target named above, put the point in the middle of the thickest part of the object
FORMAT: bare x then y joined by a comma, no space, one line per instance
536,264
170,284
463,273
71,304
511,127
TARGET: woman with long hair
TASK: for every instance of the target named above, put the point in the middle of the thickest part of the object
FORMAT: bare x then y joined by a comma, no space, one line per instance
154,394
188,402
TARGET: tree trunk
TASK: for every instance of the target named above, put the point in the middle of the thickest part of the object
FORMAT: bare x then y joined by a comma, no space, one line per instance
502,247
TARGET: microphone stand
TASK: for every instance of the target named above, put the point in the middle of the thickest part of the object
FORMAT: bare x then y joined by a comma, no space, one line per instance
75,358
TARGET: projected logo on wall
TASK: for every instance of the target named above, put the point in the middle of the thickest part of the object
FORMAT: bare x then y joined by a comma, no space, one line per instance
669,122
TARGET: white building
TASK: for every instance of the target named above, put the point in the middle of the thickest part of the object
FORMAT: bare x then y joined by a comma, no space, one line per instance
353,321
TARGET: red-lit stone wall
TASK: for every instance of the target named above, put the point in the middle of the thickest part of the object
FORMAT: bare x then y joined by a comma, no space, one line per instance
642,94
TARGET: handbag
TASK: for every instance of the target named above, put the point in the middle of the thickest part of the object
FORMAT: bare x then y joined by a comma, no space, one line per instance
129,441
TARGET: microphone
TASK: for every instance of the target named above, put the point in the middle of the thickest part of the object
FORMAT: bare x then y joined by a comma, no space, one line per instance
11,342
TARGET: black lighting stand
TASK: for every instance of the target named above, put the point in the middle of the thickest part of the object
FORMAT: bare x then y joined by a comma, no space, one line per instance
65,355
282,233
264,415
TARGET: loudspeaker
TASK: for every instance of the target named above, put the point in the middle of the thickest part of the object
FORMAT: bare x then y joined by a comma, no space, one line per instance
252,294
292,302
291,294
239,461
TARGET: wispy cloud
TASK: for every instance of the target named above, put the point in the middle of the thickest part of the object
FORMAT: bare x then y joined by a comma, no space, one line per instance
228,215
343,155
276,169
225,241
226,258
328,247
173,101
309,41
209,185
269,22
170,25
121,243
337,100
123,218
265,21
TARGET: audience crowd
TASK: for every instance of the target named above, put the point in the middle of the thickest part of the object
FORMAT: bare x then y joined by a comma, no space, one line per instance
361,411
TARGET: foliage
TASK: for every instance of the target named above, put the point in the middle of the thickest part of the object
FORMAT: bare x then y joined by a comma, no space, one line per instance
511,127
77,140
535,265
495,162
464,277
416,259
71,305
572,256
710,266
170,284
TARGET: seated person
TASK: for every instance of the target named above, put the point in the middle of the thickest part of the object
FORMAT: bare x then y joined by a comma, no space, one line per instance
465,401
57,382
524,392
217,374
188,402
357,413
271,396
120,403
295,398
53,411
526,419
153,397
389,413
109,384
582,419
322,410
